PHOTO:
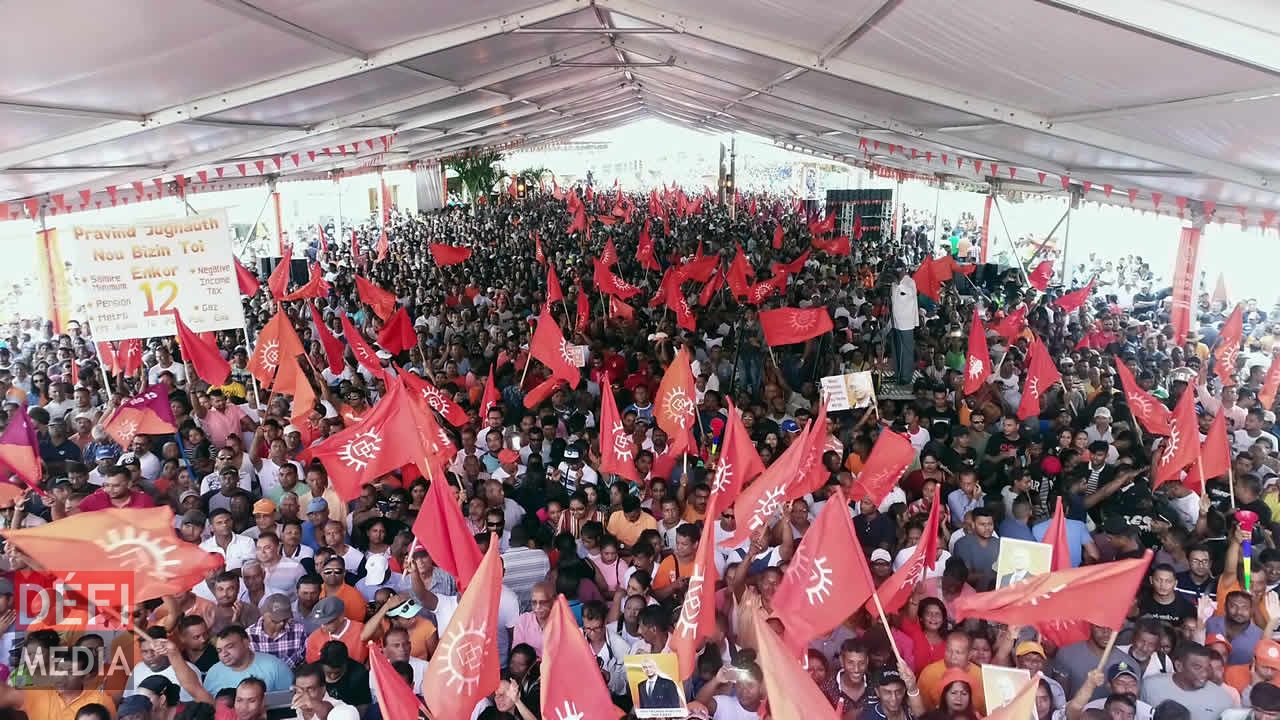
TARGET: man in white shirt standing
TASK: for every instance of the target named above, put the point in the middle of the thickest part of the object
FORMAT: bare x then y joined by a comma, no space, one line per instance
906,317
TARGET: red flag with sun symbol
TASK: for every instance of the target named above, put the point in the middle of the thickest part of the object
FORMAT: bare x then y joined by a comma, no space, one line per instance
697,619
617,447
736,462
676,406
785,326
147,413
465,668
120,539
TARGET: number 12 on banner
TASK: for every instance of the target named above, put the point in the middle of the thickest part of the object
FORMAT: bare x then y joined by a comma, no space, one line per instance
167,290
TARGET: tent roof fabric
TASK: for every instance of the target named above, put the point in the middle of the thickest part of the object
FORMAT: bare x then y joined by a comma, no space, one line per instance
1103,97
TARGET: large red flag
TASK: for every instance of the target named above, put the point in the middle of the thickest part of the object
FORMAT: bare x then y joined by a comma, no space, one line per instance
396,699
436,398
550,348
736,463
334,350
812,473
785,326
554,293
697,619
609,255
465,666
1224,357
1215,456
247,281
364,352
823,227
617,447
1099,594
490,398
834,246
827,579
277,341
398,334
777,236
978,359
699,269
1011,325
610,284
679,305
889,458
583,319
147,413
928,279
278,280
1039,278
443,531
130,539
645,252
20,448
765,289
676,406
383,442
316,286
1073,300
792,267
895,591
382,302
758,503
791,690
1271,384
541,392
129,357
1056,535
739,274
304,396
1182,447
445,255
1041,375
1149,411
620,311
107,357
203,354
572,688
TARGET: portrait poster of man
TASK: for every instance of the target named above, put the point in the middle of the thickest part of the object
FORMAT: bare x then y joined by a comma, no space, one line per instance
1020,559
655,686
1001,684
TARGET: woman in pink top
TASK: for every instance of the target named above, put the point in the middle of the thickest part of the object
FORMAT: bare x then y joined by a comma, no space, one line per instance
529,626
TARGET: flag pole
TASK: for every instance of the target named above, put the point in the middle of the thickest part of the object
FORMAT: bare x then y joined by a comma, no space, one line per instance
1106,653
253,381
888,630
1231,478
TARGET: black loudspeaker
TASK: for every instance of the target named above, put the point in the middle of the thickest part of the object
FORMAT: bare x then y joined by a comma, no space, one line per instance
299,274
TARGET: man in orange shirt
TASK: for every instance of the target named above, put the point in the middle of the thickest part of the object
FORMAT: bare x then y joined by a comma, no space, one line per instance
956,657
334,575
673,574
65,698
627,524
335,626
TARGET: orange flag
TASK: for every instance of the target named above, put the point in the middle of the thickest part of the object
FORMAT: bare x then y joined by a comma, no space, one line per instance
364,352
20,449
278,340
1056,535
465,666
1215,456
334,350
316,286
1041,375
147,413
1100,594
438,399
383,442
828,578
443,531
1022,706
572,688
978,360
617,447
1148,411
398,334
794,695
247,281
1182,447
541,392
141,540
304,396
278,281
550,348
736,463
895,591
395,698
203,354
382,302
1267,395
697,619
889,458
760,501
677,404
554,293
1224,357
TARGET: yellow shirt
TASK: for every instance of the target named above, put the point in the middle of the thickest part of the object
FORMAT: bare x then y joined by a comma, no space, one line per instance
627,532
41,704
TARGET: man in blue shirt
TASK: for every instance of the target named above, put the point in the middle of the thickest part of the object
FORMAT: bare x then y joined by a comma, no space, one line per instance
237,661
1078,539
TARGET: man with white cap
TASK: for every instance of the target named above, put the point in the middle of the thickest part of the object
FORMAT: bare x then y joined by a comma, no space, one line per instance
378,575
1100,429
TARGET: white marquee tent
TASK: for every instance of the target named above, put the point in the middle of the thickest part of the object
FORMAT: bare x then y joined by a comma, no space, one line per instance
1160,103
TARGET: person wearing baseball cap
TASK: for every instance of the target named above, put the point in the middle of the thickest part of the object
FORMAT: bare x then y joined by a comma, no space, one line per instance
896,695
881,564
1123,679
277,633
509,471
1265,665
264,519
334,624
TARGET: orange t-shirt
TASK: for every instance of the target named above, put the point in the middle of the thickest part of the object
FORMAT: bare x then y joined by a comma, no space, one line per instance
349,636
353,603
670,570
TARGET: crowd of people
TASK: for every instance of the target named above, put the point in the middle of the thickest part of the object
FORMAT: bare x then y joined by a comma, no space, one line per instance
310,577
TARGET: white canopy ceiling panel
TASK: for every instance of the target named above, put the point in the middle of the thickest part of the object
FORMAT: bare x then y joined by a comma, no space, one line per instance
373,24
811,23
317,104
1040,57
1227,195
1243,132
18,127
462,63
158,146
708,56
1066,153
816,86
139,55
15,185
554,75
